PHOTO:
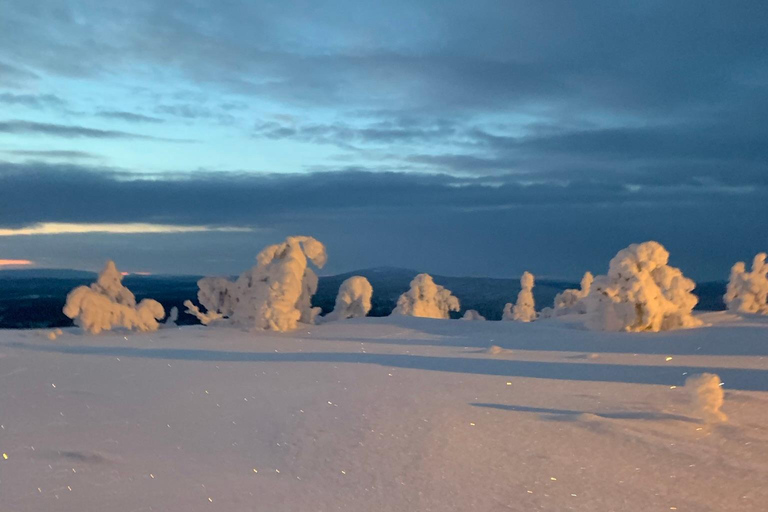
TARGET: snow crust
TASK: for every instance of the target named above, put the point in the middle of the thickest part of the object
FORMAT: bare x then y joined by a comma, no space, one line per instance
353,299
641,292
107,304
275,294
748,291
426,299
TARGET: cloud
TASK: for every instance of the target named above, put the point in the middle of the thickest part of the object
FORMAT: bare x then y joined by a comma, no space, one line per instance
131,117
33,100
62,228
15,263
69,131
53,154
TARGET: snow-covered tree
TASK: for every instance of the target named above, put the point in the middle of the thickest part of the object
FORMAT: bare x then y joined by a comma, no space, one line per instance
707,396
748,291
524,310
353,300
106,304
426,299
570,301
641,292
276,294
473,315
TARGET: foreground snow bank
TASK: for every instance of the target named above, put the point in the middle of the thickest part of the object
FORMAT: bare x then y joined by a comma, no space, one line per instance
426,299
275,295
383,415
748,291
107,304
641,292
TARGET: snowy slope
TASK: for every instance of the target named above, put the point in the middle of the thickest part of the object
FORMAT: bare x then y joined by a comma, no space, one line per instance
383,414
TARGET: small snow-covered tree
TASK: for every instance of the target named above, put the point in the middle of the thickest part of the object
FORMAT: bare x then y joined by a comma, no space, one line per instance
426,299
524,310
276,294
748,291
353,299
571,301
106,304
707,396
641,292
473,315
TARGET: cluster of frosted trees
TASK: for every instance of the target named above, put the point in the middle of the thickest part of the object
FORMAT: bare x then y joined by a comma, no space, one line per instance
640,292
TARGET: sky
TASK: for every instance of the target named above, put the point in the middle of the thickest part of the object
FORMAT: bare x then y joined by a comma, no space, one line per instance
460,138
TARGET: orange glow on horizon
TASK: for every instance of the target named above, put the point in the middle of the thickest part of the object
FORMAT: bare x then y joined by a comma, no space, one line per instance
15,263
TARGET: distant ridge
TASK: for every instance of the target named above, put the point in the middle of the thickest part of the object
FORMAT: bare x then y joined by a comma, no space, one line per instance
46,273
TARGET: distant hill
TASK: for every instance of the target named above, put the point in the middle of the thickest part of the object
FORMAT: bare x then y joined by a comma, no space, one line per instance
46,273
33,298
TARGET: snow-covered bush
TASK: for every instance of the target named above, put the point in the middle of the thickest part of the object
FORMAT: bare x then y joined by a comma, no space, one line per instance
641,293
748,291
570,301
707,396
473,315
276,294
353,300
107,304
524,309
426,299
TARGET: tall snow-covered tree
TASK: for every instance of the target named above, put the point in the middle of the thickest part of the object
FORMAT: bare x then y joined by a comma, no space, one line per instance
524,310
748,291
275,295
641,292
426,299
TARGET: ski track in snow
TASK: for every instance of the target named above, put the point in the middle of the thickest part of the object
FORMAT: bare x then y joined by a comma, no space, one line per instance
384,414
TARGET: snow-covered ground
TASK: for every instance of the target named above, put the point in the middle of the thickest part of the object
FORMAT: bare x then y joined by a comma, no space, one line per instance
383,414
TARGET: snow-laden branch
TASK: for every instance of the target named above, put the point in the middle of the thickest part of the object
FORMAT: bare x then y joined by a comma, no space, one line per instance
571,301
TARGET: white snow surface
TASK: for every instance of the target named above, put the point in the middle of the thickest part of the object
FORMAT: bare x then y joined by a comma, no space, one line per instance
748,291
384,414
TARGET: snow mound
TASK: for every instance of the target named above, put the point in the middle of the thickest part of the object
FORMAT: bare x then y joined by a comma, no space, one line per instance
107,304
275,295
641,292
707,396
353,299
571,301
524,309
473,315
748,291
426,299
